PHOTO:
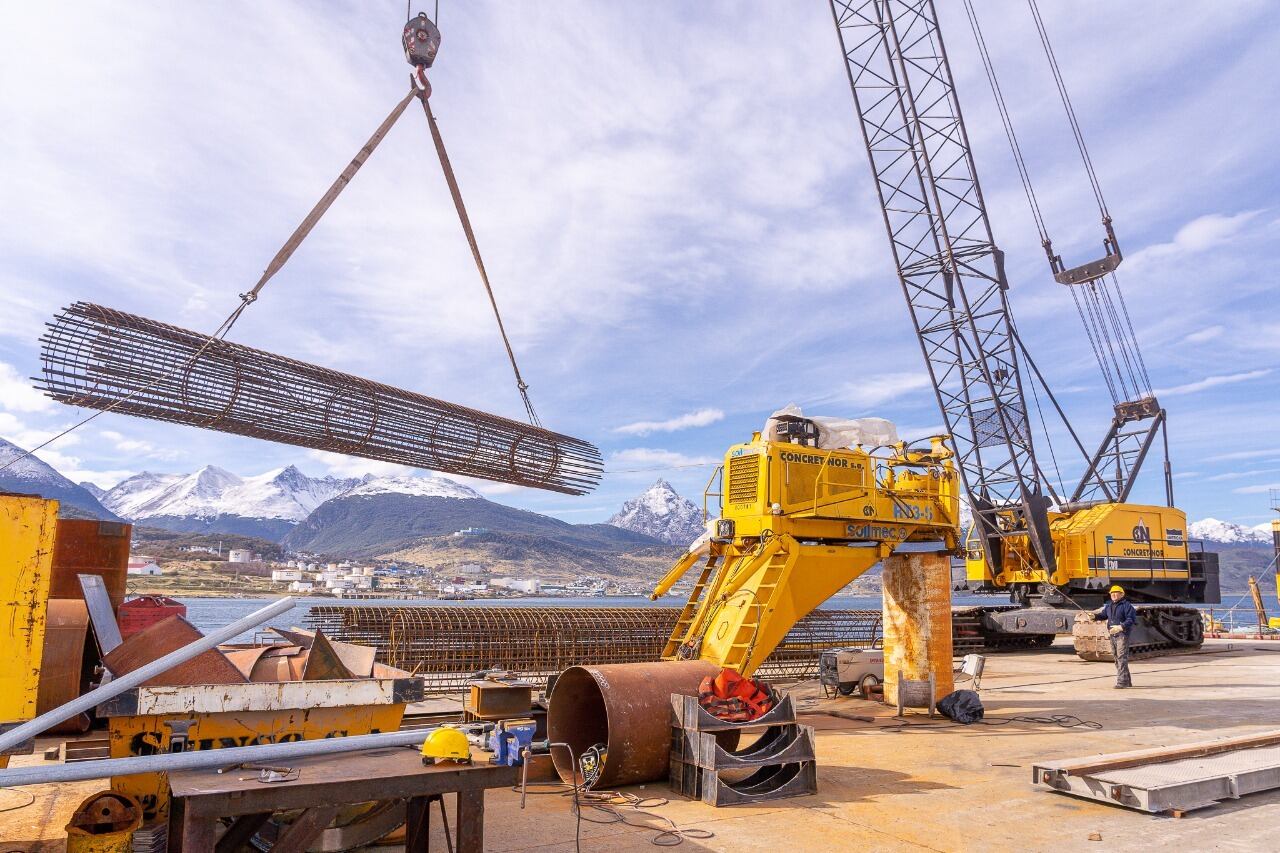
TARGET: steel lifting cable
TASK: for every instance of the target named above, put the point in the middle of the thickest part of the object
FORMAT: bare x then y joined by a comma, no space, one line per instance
475,251
248,298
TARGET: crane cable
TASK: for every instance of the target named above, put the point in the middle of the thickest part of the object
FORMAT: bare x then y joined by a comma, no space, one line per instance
295,240
456,193
1108,324
249,297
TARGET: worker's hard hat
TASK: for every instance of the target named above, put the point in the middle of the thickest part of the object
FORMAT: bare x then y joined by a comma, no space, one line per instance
446,744
1117,588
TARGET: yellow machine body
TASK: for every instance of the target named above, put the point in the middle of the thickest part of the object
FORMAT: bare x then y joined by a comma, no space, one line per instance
1097,546
798,524
1275,539
151,731
27,529
446,744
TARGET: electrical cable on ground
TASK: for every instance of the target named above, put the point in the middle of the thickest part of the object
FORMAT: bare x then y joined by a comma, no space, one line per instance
31,799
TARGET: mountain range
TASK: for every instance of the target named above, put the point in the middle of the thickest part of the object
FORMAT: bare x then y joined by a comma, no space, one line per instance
1230,533
661,513
28,475
212,500
419,518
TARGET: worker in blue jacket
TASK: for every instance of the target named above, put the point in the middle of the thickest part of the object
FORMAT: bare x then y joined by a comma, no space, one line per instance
1121,617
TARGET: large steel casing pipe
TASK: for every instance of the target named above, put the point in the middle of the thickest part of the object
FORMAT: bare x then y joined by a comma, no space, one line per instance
625,706
917,625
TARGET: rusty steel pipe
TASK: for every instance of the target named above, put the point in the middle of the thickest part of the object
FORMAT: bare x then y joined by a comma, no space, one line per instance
105,359
625,706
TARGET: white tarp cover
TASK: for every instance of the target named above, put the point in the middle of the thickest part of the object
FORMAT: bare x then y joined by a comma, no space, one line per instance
836,433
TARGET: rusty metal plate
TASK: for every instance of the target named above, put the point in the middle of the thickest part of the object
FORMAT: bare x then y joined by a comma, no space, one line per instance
149,644
88,547
323,662
62,661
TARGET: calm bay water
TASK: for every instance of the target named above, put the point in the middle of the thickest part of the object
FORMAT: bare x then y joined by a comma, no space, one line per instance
208,614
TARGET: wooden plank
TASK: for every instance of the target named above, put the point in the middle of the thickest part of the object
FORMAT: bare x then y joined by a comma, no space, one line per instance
1122,760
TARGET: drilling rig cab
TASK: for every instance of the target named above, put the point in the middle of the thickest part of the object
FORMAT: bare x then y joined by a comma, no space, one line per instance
1143,547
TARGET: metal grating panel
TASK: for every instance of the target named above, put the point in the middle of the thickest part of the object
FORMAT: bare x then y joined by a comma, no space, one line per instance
744,479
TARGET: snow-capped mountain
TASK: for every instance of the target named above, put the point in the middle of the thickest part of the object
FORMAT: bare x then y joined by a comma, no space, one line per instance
430,486
214,500
661,513
1214,530
30,476
94,489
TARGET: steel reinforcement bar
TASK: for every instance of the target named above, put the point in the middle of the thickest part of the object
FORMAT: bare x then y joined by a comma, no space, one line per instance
446,645
105,359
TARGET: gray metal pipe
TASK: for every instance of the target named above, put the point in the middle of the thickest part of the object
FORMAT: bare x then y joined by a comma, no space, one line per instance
15,736
205,759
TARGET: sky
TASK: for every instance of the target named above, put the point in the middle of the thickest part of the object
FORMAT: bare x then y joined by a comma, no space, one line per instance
674,205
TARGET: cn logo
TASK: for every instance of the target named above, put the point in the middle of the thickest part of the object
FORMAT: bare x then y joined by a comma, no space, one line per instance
1141,533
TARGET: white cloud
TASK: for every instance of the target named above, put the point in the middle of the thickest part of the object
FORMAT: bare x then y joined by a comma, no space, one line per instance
1199,235
1238,475
875,389
138,447
1243,454
1256,490
1206,334
638,459
338,465
17,395
1212,382
700,418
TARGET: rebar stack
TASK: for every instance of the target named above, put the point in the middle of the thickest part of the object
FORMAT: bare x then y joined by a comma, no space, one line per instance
447,645
105,359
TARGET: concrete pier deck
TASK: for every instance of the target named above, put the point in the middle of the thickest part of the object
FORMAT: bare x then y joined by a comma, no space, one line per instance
925,785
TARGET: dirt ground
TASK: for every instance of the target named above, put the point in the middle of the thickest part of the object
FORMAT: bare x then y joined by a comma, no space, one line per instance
922,785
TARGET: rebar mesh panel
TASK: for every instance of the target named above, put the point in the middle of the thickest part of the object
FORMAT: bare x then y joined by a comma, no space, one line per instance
447,645
100,358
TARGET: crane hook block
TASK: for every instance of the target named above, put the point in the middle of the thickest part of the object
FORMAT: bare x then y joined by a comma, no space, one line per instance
421,40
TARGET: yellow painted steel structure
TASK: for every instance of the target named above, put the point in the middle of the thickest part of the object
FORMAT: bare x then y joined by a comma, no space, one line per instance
152,733
27,529
1102,544
797,524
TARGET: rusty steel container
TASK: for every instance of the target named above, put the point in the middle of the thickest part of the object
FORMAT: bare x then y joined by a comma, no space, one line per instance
917,626
625,706
140,613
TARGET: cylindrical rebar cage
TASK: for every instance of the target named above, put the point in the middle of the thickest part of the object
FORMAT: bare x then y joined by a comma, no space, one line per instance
105,359
446,645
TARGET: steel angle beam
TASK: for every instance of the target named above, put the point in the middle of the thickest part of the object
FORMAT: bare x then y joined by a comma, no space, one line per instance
100,358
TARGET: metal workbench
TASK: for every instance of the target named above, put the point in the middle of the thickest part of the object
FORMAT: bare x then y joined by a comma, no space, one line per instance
201,797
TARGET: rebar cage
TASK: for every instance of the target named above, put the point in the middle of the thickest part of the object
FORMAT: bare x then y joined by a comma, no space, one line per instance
447,645
105,359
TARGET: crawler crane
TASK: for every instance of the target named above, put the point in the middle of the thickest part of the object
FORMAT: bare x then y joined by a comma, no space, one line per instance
1054,554
799,522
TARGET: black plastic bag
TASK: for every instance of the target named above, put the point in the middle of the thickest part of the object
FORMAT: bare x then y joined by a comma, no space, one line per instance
963,706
